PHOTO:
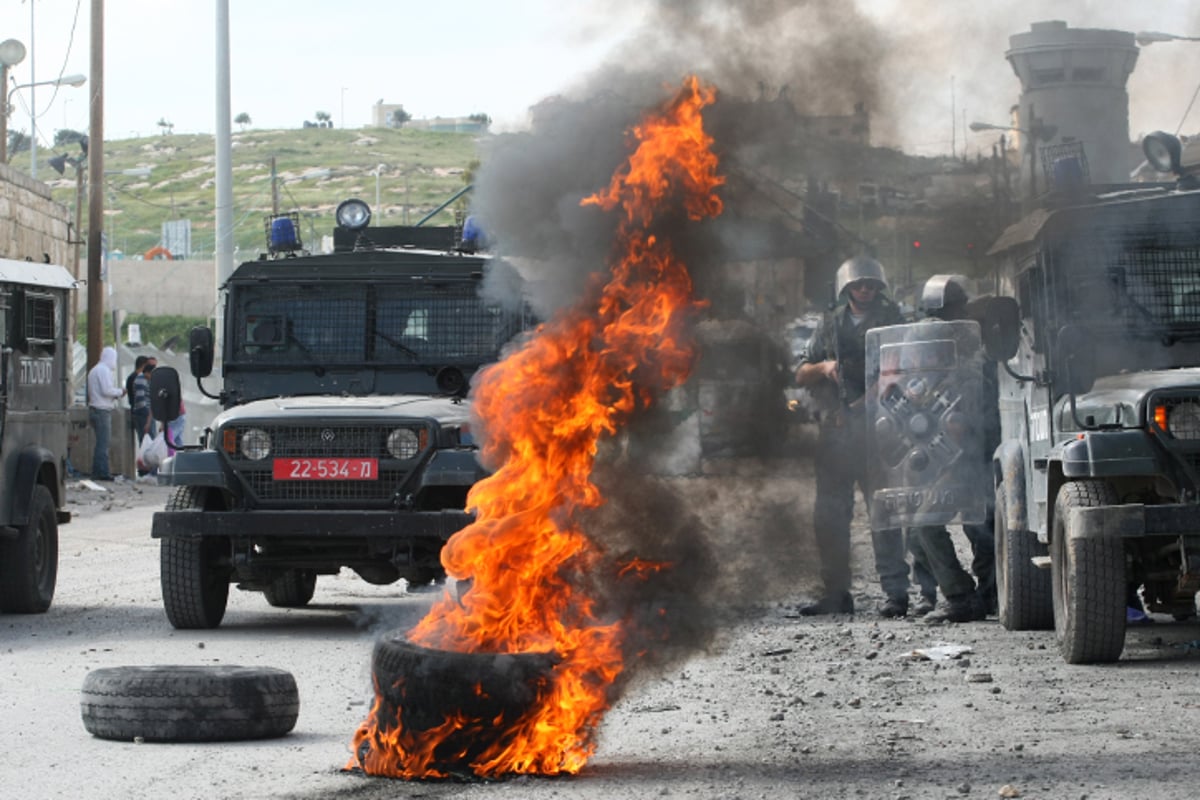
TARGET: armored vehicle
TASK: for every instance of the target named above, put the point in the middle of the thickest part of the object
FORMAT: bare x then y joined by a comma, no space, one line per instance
345,438
34,425
1098,474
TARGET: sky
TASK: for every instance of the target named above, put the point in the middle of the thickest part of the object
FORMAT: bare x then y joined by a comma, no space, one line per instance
937,64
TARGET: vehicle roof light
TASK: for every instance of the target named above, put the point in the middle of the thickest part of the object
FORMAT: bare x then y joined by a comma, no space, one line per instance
1163,151
353,214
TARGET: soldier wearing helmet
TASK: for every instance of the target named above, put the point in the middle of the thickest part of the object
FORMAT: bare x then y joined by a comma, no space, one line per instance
945,297
836,359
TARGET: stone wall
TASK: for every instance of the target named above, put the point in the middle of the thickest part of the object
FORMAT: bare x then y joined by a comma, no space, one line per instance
32,225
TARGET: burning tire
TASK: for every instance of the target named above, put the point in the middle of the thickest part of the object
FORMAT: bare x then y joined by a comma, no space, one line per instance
29,563
189,704
292,589
1023,590
423,687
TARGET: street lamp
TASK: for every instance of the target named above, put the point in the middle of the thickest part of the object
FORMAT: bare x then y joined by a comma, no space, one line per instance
1037,131
65,80
1150,37
378,171
12,53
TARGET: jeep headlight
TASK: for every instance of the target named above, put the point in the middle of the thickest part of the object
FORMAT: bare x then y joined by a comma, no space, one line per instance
256,444
403,443
1183,421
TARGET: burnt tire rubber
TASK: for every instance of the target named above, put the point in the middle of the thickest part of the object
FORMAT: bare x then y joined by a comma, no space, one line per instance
189,704
195,591
421,686
1088,579
29,563
292,589
1024,592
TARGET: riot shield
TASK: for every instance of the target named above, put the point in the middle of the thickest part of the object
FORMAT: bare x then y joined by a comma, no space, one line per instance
924,425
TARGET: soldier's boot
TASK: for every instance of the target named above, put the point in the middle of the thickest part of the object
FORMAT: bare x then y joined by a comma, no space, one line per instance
894,607
960,608
830,604
926,604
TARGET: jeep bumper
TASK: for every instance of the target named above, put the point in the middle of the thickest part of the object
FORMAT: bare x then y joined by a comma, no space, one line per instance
1134,520
405,526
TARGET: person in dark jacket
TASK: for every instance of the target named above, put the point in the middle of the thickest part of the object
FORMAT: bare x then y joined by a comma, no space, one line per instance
967,599
836,360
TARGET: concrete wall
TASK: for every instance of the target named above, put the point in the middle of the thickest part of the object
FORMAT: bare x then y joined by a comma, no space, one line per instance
32,225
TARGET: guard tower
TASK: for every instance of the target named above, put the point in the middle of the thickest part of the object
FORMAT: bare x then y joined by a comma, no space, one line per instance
1073,91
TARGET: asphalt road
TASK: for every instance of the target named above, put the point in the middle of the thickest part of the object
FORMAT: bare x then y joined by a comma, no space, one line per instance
780,707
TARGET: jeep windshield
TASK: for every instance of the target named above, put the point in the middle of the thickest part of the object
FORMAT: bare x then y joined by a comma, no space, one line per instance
358,337
1135,290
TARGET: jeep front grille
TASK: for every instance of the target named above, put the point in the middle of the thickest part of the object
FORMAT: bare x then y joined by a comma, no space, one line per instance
322,441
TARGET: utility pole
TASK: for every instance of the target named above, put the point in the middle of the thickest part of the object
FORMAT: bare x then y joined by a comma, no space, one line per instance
224,165
274,190
95,287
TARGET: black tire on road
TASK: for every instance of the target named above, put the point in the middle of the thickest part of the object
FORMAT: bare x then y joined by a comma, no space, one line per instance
422,685
29,563
292,589
1088,580
1023,590
195,587
189,704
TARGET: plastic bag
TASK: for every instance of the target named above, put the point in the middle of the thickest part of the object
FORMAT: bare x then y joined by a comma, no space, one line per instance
152,452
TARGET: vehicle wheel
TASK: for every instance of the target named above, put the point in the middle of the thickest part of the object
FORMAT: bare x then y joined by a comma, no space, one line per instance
293,589
29,563
1088,579
189,704
1023,591
195,588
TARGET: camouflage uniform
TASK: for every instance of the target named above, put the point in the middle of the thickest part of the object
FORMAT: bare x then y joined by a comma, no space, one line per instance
841,461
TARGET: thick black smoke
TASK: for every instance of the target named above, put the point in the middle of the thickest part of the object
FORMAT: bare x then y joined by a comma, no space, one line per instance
732,542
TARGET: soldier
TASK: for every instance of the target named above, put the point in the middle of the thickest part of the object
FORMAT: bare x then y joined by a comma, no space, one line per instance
945,297
836,359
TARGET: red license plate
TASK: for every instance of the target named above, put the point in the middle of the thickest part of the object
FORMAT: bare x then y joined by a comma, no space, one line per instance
326,469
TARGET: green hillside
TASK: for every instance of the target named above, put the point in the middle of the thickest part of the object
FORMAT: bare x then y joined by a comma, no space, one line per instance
317,168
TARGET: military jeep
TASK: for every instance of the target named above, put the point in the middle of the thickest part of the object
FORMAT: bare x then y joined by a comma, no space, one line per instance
345,438
34,394
1098,475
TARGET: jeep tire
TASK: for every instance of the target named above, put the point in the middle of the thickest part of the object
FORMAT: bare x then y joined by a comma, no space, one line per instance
189,703
29,563
1088,579
291,589
1023,590
195,588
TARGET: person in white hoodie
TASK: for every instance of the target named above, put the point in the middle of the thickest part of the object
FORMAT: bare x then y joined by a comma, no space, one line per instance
102,394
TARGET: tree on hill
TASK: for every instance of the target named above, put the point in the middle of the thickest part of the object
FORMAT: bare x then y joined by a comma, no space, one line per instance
399,117
167,126
242,119
66,136
18,142
323,119
483,119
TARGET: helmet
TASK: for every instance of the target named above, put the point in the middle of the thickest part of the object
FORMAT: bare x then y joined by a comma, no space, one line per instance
859,268
945,296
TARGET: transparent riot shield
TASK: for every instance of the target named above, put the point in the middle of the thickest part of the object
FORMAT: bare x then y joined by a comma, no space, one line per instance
924,425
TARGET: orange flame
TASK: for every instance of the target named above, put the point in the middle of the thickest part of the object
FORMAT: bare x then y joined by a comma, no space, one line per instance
547,407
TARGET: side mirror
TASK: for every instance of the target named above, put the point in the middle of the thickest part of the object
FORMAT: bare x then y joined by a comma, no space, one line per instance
1075,359
999,321
200,351
164,394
